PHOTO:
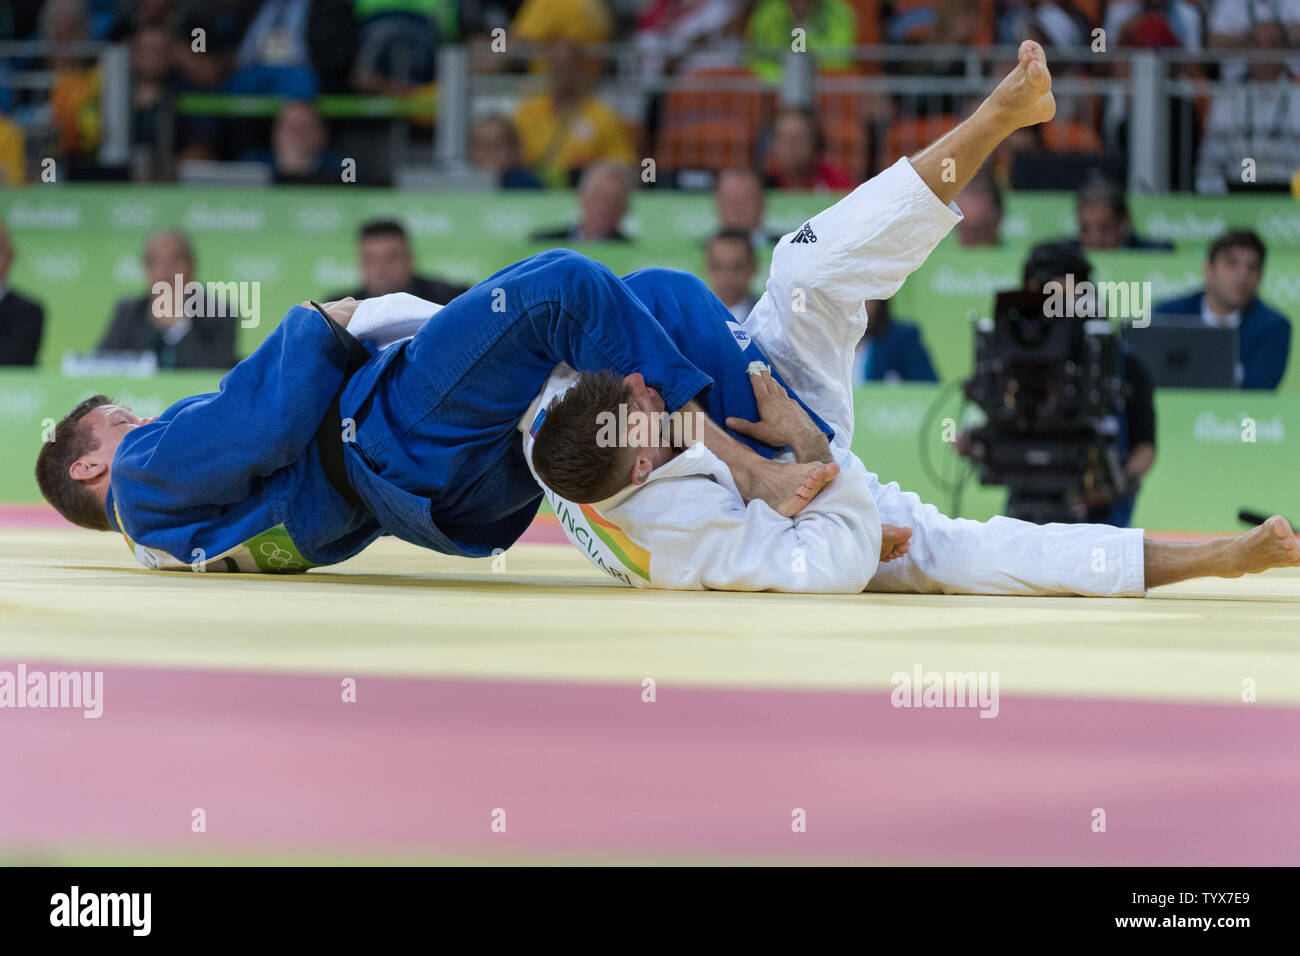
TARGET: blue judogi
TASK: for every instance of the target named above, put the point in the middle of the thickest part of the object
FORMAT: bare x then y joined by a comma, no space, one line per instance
707,334
234,480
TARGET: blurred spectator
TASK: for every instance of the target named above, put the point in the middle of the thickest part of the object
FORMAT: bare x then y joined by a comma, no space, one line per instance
494,147
981,208
150,51
399,43
1232,25
892,350
948,23
731,265
830,29
603,195
1234,267
1154,24
221,25
296,48
74,97
738,200
794,159
1055,262
173,327
1258,120
577,21
387,266
13,153
299,153
1058,23
21,319
565,128
131,18
18,19
478,18
1104,221
674,36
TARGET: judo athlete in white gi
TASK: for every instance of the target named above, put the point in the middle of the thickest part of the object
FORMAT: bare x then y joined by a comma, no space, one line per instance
680,522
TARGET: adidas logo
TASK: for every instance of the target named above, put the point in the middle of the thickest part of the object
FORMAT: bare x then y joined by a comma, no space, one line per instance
805,234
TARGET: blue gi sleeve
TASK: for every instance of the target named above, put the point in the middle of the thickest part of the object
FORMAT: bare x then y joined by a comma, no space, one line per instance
210,449
554,307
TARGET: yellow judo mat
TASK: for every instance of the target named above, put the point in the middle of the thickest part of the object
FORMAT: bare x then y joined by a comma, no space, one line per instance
546,614
523,684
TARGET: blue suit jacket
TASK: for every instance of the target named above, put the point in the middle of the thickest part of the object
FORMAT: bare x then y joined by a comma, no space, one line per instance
1264,339
900,350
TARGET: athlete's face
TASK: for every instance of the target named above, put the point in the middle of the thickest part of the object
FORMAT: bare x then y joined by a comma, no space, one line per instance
646,401
643,398
108,425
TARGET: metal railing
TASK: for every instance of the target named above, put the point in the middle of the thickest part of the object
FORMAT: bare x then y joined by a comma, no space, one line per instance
1143,106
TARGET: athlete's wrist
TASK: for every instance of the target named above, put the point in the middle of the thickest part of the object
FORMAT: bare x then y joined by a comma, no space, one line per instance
811,446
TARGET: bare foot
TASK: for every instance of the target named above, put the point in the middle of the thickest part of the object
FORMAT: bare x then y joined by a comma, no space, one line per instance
895,542
787,487
1024,97
1271,545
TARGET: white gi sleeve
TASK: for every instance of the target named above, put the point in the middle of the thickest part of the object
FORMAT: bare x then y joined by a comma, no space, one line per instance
693,527
386,319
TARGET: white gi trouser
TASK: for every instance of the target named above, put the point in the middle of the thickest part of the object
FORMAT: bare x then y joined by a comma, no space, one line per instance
864,250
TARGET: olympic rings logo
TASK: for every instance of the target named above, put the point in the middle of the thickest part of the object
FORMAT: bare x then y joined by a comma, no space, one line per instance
279,558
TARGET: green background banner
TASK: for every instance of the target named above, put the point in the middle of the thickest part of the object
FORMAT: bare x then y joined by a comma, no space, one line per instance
79,250
79,247
1204,473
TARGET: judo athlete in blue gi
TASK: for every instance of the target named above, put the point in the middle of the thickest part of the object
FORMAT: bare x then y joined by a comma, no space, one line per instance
300,461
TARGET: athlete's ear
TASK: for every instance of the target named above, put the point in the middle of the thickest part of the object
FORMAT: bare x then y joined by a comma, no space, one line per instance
635,382
641,468
86,470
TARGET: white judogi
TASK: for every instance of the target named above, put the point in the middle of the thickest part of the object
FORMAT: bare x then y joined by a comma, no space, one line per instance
687,527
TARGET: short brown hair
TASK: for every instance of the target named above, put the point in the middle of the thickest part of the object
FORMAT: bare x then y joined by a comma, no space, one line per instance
70,441
1238,239
567,454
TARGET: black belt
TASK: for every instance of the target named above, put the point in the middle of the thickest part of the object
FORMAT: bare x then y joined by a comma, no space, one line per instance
329,436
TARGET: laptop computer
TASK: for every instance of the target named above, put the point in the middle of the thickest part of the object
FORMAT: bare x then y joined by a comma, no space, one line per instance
1184,352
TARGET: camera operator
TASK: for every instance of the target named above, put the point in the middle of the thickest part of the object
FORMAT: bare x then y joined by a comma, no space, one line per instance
1053,262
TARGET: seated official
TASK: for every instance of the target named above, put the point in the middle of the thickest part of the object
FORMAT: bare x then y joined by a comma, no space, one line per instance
892,350
1105,221
604,193
731,265
739,202
160,321
981,211
1234,268
21,319
388,265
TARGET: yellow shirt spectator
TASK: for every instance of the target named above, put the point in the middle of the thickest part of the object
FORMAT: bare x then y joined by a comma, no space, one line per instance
12,157
554,144
582,21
